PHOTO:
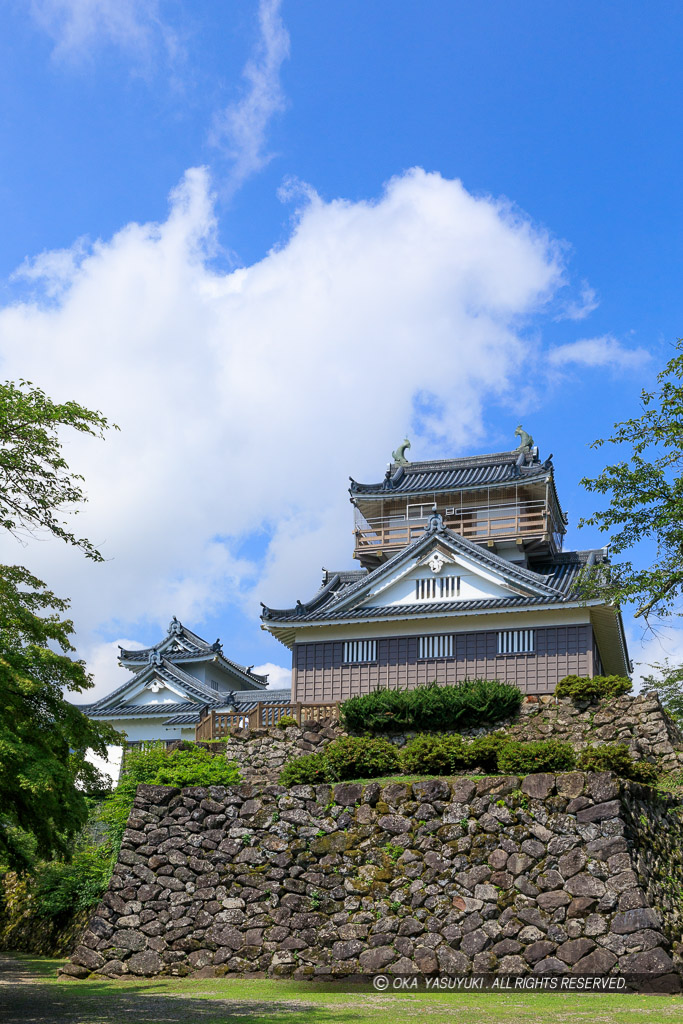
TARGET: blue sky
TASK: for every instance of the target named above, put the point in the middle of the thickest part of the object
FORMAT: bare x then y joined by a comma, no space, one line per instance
251,368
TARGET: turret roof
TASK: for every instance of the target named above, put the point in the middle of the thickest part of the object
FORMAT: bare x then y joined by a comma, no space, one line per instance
182,645
456,474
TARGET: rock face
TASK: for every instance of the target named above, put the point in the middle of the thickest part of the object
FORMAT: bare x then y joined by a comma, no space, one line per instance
638,721
454,876
261,754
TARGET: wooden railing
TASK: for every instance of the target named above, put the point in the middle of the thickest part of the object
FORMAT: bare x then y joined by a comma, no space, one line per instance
217,724
510,522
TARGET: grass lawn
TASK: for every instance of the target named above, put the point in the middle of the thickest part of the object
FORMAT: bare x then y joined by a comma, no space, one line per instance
30,991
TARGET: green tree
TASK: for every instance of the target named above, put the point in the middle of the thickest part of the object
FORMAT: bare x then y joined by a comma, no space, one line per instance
667,679
646,501
45,780
36,485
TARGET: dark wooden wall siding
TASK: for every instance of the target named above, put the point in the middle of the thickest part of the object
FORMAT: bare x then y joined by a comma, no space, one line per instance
320,675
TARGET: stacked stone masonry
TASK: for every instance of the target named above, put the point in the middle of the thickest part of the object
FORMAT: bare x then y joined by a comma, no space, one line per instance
638,721
569,873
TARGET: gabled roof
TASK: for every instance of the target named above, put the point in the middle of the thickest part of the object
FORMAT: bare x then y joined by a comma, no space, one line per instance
185,712
189,685
549,583
457,474
337,595
182,645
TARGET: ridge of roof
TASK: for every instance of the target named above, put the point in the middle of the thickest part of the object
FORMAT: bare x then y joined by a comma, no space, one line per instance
459,474
457,543
198,650
164,670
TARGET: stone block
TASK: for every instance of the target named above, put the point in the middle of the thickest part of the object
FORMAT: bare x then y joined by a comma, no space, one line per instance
599,812
538,786
635,920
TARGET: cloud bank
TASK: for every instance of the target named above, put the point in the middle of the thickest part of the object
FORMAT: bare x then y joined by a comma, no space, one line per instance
245,399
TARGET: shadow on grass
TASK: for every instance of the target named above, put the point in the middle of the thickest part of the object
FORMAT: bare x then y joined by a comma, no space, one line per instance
30,993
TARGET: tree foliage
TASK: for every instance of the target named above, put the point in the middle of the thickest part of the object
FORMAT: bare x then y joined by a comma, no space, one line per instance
646,492
45,780
36,486
667,680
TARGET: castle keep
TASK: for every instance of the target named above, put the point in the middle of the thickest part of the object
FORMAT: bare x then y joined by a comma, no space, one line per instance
463,575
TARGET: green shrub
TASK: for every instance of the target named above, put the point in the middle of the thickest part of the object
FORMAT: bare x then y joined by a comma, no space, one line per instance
351,757
431,708
580,688
308,769
432,754
189,765
360,757
285,721
483,751
616,757
519,758
446,754
61,888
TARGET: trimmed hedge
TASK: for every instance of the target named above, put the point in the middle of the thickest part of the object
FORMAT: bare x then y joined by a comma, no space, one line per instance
433,754
351,757
616,757
580,688
439,754
519,758
471,703
360,757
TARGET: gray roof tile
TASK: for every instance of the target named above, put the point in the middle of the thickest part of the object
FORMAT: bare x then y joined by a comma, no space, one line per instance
455,474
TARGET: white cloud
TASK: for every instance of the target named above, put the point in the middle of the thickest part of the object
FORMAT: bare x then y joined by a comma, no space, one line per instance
246,399
241,129
651,647
603,351
78,26
279,678
581,308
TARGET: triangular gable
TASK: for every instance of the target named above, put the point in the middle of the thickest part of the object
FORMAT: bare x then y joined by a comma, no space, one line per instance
170,679
482,574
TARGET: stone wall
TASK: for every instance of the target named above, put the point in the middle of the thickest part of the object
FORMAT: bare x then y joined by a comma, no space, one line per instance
640,721
542,874
262,753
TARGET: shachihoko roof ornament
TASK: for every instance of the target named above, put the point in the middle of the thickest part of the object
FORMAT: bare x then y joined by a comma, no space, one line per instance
399,456
526,441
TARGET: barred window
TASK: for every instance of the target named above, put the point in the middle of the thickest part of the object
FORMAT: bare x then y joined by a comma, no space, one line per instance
435,646
516,641
359,650
437,588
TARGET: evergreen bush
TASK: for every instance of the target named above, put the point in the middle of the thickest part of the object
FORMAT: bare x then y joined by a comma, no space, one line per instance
517,757
361,757
309,769
471,703
286,721
432,754
580,688
616,757
483,751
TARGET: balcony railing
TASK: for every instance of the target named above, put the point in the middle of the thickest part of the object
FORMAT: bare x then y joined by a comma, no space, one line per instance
218,724
478,523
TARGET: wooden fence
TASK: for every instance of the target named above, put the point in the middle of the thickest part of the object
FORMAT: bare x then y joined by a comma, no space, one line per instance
217,724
